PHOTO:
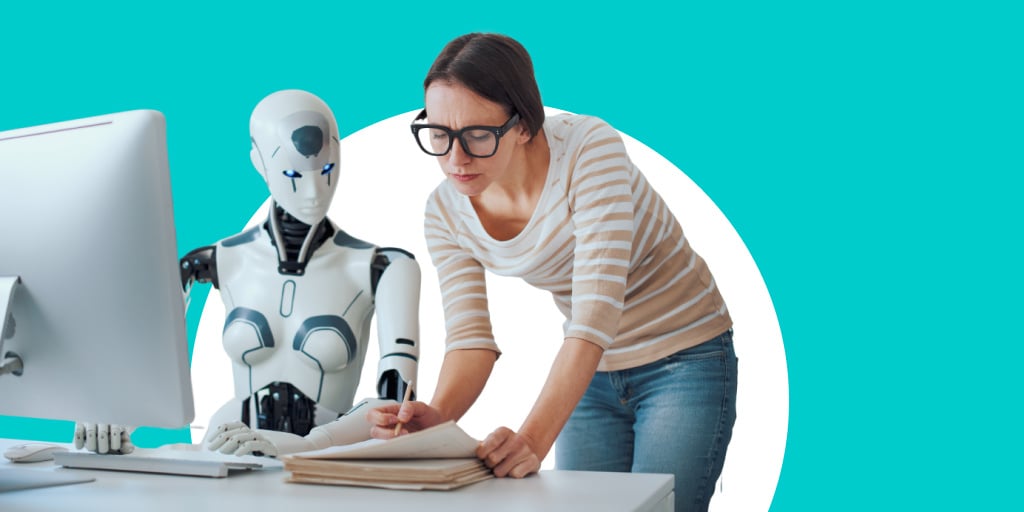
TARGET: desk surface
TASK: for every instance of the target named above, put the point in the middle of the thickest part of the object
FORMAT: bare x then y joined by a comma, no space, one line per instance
266,490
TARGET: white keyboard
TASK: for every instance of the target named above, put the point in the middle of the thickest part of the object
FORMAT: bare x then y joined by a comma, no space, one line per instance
170,461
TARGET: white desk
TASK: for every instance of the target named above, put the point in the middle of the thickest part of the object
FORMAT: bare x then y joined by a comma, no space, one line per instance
266,490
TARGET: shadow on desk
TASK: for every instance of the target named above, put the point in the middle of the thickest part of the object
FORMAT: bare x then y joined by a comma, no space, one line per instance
19,478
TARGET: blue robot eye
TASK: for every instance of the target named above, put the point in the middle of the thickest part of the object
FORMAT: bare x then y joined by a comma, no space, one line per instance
291,173
327,168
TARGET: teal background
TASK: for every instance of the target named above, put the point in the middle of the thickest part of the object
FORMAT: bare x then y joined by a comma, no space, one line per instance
868,153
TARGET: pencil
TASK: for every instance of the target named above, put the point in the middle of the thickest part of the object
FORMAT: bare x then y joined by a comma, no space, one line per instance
408,394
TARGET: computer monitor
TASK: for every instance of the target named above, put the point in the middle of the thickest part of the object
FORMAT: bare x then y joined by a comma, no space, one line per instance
88,264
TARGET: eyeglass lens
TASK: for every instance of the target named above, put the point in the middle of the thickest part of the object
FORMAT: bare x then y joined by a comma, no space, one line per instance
476,142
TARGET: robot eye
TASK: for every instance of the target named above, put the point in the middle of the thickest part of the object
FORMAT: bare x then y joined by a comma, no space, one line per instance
291,173
327,168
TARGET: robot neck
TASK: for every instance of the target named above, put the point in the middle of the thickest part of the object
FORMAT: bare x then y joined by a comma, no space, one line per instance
293,234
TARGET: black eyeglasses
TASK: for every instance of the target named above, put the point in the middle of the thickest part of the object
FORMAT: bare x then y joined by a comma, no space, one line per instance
477,141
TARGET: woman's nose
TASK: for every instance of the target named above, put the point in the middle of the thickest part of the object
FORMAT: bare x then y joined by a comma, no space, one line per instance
458,155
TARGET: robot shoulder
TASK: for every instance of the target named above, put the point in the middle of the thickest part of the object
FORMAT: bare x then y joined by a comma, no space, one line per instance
248,236
343,239
383,257
200,265
394,253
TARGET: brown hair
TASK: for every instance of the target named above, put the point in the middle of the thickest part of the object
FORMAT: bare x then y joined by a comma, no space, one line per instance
497,68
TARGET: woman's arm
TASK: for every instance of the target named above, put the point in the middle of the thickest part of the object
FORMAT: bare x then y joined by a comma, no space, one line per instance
519,454
463,375
569,377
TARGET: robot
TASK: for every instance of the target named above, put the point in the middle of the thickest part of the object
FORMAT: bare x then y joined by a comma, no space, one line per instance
299,294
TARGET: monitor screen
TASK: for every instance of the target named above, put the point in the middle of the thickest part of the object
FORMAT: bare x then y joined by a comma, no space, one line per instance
97,315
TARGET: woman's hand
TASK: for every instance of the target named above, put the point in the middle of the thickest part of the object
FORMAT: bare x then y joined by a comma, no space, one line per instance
414,416
509,454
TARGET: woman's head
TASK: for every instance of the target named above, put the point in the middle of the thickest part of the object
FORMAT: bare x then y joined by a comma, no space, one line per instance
495,67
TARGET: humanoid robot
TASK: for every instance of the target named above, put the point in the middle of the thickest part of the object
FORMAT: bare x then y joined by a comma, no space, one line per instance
299,294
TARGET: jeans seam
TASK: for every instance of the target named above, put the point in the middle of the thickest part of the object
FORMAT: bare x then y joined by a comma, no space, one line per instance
619,382
702,494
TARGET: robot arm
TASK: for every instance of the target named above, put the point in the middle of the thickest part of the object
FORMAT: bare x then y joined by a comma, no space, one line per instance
199,265
237,438
396,280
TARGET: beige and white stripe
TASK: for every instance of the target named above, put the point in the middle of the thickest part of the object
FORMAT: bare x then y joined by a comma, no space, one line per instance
601,240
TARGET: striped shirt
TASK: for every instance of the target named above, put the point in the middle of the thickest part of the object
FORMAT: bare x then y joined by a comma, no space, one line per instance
601,240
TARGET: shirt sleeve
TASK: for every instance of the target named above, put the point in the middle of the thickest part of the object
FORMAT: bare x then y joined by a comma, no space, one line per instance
601,201
462,282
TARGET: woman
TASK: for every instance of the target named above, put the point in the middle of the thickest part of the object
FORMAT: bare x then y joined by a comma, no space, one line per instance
645,379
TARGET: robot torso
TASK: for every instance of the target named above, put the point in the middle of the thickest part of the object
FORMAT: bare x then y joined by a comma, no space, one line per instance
313,328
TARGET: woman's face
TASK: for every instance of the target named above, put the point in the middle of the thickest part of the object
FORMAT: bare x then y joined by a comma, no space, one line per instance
454,106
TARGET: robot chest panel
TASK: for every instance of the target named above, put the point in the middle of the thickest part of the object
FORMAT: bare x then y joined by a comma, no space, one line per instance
326,335
320,319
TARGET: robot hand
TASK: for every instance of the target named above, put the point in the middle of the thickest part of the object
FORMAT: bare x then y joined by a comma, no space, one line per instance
237,438
104,438
351,427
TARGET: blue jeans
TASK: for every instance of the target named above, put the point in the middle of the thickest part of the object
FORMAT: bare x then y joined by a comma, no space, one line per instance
673,416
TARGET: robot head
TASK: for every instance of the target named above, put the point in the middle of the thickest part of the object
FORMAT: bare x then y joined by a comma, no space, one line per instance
295,150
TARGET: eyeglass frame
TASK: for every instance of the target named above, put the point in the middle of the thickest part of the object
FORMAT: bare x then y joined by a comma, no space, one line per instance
498,131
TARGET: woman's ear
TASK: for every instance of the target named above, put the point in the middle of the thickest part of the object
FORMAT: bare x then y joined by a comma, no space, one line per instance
524,133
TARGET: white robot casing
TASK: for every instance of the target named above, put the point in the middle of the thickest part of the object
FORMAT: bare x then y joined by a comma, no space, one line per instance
305,319
299,294
296,131
312,330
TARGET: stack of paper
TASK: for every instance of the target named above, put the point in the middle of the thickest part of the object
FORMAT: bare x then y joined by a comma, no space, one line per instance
442,457
412,474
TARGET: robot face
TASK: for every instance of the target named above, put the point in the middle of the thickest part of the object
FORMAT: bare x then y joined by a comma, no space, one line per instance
297,154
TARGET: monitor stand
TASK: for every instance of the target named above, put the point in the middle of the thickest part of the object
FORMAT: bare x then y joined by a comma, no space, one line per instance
13,479
9,361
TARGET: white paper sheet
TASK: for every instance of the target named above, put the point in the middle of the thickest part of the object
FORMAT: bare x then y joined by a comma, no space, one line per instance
446,440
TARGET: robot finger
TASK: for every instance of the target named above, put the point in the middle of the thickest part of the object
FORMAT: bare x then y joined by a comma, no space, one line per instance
126,444
256,445
102,438
240,434
229,446
237,440
216,442
79,435
225,433
227,427
245,448
90,437
116,433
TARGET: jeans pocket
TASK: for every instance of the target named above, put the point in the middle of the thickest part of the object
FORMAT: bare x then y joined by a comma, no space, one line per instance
715,347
